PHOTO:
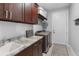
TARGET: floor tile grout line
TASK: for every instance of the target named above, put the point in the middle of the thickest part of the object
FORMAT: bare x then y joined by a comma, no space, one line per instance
53,51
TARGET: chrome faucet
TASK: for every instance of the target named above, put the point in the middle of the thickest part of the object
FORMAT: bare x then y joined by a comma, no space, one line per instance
9,40
2,42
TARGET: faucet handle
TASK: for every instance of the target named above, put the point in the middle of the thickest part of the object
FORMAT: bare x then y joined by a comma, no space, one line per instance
9,40
1,43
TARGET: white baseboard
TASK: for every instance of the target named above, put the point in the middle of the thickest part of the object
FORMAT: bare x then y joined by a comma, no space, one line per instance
71,51
60,43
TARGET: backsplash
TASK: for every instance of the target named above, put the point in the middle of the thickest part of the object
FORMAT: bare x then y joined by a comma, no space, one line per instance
37,27
9,30
29,33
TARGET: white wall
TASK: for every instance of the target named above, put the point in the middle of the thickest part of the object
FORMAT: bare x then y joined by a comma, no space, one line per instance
37,27
62,14
9,29
49,17
50,27
73,29
21,28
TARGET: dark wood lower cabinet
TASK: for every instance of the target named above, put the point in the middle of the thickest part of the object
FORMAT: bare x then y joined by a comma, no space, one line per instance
47,43
33,50
40,48
25,52
36,49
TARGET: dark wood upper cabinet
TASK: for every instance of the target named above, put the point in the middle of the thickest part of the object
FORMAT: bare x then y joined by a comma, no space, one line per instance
1,10
19,12
34,13
27,13
30,13
6,11
16,11
13,11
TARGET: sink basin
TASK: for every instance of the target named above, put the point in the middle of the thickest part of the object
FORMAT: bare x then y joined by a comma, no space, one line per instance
9,48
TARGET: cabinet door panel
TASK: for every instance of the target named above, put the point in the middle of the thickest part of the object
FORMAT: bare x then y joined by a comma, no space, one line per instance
1,10
20,12
33,50
16,11
13,11
25,52
40,48
36,49
34,13
27,12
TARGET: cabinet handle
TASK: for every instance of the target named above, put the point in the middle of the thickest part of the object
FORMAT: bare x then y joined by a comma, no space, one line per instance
6,13
35,5
10,15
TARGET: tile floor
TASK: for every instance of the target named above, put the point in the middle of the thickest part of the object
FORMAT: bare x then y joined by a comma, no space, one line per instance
60,50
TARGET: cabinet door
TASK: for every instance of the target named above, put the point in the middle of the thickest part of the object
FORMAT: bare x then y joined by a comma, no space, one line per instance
34,13
16,11
27,13
1,10
6,11
26,52
40,48
13,11
36,49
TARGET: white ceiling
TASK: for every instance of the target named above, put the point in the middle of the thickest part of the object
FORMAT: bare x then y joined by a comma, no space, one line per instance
53,6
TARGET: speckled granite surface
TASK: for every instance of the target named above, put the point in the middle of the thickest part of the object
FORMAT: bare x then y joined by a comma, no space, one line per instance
26,42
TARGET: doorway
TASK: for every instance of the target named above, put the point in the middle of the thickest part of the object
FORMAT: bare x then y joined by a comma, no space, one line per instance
60,26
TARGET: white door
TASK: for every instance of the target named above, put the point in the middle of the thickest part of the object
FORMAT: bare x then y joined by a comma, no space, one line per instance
60,26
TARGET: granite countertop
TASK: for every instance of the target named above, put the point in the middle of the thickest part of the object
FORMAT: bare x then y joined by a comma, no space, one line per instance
29,41
26,42
43,33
